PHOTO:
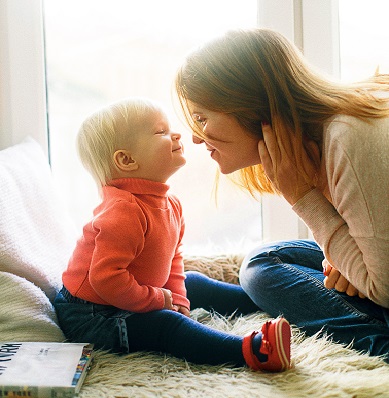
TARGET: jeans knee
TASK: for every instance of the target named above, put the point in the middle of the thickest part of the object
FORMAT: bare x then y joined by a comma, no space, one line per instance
270,256
244,279
253,272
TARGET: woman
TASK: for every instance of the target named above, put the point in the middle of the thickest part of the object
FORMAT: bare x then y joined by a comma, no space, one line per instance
261,110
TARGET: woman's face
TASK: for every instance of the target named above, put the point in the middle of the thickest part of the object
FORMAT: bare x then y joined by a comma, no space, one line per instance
232,146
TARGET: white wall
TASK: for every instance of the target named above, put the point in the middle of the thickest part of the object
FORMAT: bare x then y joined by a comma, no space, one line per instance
22,76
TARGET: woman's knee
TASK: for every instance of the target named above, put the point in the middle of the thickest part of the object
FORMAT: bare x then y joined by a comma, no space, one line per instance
253,271
258,260
301,252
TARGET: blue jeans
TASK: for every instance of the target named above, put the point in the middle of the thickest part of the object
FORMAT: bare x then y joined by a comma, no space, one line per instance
287,278
120,331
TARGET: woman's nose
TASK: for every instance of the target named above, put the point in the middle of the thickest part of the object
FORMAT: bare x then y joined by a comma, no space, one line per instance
197,140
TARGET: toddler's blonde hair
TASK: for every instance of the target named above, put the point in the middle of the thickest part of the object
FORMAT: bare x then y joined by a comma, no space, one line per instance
110,129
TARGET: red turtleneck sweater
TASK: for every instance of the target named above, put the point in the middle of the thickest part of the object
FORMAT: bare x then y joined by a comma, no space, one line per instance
130,249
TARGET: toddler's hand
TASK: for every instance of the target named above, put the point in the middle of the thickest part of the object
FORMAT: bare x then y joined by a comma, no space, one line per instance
182,310
168,299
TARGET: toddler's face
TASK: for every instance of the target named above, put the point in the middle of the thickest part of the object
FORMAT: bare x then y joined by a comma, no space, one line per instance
158,150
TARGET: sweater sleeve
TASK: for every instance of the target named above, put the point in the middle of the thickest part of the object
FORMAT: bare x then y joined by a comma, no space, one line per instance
353,230
176,281
120,238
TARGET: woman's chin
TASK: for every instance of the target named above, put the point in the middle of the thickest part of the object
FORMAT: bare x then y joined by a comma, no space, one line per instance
226,170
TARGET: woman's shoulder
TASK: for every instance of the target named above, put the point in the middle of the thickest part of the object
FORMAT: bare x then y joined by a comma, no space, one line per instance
350,130
358,146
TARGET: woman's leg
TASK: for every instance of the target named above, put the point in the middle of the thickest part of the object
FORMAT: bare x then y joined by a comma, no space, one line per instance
287,278
213,295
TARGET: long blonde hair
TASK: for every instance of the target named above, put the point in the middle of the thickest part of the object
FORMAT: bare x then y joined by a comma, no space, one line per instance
258,75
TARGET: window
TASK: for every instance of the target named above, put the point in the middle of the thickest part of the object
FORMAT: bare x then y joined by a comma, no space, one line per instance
71,97
364,38
98,51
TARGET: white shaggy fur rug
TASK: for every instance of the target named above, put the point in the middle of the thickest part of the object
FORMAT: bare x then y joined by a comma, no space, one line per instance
320,368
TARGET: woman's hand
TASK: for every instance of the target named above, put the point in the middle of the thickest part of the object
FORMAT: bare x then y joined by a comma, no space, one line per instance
279,165
335,280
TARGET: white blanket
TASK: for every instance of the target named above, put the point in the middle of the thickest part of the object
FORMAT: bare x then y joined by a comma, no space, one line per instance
36,234
36,240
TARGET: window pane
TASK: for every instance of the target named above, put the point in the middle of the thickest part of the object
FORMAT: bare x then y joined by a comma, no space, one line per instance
364,38
99,51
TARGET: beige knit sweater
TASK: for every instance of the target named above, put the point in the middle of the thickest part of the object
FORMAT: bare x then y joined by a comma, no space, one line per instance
349,219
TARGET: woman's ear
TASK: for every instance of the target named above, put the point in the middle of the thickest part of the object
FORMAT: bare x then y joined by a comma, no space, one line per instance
123,161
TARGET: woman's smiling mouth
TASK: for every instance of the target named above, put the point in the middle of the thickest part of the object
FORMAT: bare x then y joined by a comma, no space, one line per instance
212,150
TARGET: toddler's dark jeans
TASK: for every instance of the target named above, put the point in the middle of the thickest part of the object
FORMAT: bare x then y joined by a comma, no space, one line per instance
164,331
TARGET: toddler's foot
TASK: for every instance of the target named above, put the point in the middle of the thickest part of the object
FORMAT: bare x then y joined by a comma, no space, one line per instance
274,351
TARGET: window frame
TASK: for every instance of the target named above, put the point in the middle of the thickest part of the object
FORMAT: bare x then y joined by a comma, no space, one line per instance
305,22
23,96
23,105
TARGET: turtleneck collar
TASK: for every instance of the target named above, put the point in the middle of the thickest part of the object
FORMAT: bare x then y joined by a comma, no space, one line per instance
140,186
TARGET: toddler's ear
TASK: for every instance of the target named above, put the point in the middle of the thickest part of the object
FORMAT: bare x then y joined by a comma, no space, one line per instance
123,161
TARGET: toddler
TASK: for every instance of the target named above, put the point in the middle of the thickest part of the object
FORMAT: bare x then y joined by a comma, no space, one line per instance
125,289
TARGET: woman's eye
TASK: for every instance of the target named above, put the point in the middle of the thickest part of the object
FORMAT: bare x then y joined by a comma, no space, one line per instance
200,120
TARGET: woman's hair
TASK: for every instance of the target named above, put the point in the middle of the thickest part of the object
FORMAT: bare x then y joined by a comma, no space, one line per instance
110,129
258,75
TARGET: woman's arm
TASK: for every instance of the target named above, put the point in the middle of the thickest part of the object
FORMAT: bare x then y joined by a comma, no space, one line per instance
353,229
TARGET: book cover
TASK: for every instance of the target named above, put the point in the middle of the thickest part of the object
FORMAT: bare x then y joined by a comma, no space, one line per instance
43,369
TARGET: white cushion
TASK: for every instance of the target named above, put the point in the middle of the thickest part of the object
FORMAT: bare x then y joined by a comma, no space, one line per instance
26,313
36,234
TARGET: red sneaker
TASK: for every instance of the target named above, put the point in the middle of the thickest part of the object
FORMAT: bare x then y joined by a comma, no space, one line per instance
276,335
